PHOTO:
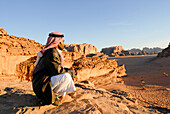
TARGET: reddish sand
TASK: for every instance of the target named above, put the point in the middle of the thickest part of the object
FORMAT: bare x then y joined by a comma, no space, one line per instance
154,72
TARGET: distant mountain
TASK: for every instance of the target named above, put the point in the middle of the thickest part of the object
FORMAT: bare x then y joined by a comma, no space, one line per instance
154,50
135,50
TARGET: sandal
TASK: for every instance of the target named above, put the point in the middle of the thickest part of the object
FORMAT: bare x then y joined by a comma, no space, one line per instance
57,101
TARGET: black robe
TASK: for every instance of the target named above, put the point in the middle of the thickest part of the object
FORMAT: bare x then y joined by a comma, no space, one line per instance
48,66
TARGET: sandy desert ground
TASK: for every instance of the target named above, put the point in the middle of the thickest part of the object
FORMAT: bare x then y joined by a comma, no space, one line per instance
153,71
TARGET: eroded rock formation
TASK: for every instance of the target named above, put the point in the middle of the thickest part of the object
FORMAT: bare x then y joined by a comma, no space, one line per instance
14,50
97,66
24,69
85,67
81,57
116,51
83,49
12,45
112,50
165,52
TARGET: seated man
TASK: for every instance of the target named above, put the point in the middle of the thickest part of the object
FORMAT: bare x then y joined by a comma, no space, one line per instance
50,78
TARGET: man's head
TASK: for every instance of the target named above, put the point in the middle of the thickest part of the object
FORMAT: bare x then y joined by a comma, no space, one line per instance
57,35
55,39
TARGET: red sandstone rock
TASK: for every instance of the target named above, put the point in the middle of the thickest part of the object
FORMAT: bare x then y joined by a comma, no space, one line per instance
97,66
85,67
24,69
74,57
81,48
12,45
112,50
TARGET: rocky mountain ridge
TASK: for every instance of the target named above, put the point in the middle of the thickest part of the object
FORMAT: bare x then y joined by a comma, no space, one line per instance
12,45
154,50
119,51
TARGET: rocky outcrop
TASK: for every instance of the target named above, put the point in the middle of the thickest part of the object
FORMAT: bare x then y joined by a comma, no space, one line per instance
85,67
76,56
14,50
86,100
165,52
2,32
83,49
116,51
112,50
24,69
8,63
98,54
91,100
12,45
97,66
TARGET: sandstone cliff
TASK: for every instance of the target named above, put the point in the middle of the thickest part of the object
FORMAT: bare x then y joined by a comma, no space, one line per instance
12,45
165,52
14,50
112,50
81,48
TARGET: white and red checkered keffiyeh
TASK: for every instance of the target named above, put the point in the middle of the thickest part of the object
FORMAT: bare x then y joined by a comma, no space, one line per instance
53,40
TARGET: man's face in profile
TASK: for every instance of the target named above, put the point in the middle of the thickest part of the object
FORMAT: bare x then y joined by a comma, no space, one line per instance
61,45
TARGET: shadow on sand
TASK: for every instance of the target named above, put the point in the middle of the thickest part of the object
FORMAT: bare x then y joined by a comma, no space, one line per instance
14,99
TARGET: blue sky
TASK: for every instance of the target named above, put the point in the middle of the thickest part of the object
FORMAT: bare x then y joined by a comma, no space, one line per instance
102,23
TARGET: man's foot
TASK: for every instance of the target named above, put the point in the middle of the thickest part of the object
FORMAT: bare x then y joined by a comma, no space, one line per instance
72,94
58,100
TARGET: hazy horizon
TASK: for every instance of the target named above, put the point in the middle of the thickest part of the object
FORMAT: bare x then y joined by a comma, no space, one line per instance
131,24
